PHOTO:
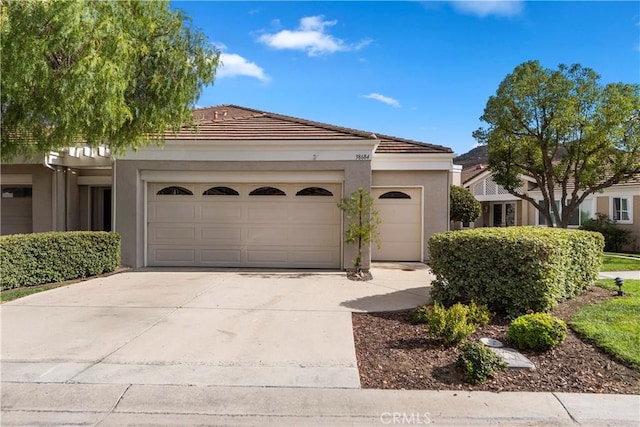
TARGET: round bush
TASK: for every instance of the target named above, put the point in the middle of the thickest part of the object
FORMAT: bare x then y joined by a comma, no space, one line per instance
537,331
478,362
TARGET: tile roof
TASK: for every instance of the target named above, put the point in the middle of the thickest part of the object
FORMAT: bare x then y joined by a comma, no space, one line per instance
231,122
468,173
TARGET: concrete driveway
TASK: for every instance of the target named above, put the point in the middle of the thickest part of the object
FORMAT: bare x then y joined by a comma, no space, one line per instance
222,328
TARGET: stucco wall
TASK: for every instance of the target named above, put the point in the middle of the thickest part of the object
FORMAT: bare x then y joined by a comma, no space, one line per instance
436,196
129,193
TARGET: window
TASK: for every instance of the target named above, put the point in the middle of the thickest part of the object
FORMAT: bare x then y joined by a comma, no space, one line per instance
503,214
220,191
621,210
267,191
16,192
175,191
578,216
314,191
394,195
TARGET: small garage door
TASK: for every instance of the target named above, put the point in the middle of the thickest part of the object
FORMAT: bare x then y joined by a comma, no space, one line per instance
16,210
400,212
244,225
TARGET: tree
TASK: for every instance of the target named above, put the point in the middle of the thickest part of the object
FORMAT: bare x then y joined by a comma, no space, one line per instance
566,131
463,206
362,222
97,72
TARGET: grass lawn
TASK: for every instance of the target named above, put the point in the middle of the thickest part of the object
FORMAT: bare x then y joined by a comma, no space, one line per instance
614,325
16,293
615,263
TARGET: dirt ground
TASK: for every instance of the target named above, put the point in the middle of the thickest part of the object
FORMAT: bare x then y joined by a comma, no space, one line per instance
393,353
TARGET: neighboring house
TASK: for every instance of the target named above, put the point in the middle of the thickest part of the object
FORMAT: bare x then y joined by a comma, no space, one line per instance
620,202
249,189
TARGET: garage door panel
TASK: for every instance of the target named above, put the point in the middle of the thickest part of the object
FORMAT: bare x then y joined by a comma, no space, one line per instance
262,211
266,256
172,212
312,213
221,212
167,234
221,234
399,214
267,235
314,235
177,255
318,258
222,256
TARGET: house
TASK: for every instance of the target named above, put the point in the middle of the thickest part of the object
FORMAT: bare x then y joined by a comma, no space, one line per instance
248,188
620,202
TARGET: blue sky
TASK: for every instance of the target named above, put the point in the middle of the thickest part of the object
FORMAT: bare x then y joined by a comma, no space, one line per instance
417,70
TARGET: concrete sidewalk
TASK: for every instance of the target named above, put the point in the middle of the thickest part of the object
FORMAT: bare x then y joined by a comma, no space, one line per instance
624,274
153,405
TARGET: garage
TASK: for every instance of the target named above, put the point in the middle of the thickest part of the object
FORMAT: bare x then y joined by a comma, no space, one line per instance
16,210
275,225
400,212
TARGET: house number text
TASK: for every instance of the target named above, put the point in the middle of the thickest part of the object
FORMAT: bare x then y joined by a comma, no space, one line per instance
363,156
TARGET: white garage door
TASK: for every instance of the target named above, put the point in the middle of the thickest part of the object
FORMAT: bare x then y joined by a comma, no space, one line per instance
16,210
400,212
244,225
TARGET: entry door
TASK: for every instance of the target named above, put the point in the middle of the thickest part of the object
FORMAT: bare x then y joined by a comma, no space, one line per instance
503,214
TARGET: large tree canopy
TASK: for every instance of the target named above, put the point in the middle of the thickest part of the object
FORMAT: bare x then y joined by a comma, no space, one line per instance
120,73
565,130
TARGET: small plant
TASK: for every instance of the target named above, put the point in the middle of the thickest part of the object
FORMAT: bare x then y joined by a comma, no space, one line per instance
479,314
454,324
537,331
420,314
479,362
362,222
449,325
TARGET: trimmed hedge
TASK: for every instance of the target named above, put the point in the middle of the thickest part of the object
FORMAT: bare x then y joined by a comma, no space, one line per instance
514,269
39,258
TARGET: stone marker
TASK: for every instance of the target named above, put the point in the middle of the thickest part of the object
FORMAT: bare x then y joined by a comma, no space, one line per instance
513,358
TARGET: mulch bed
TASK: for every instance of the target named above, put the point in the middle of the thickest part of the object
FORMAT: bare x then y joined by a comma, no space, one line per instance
393,353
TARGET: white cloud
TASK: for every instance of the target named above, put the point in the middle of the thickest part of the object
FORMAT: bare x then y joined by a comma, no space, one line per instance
311,36
385,99
235,65
484,8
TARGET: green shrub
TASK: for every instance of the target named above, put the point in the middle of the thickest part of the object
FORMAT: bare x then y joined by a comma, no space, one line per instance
479,362
537,331
513,269
449,325
479,314
614,237
476,314
419,315
39,258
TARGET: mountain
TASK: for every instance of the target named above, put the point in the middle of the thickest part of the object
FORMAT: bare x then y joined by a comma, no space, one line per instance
477,156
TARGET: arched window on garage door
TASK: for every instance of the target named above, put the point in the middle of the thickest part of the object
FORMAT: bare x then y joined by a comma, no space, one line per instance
314,191
174,191
267,191
220,191
394,195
